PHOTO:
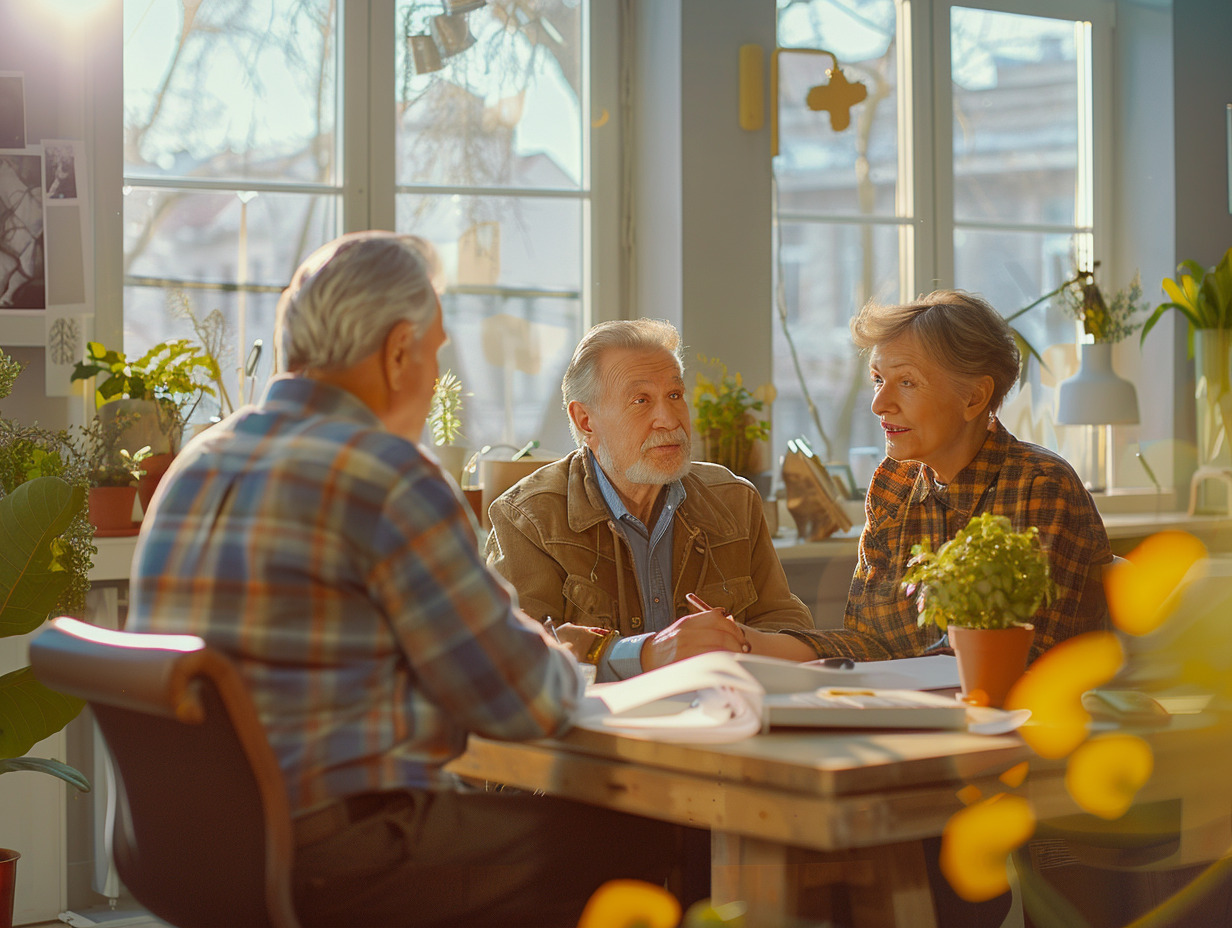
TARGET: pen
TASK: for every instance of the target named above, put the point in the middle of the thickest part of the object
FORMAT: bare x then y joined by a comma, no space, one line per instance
550,624
700,604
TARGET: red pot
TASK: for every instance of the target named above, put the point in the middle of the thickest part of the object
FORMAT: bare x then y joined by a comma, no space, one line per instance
8,884
111,510
990,660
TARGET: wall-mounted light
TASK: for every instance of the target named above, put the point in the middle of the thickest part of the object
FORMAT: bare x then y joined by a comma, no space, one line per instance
836,97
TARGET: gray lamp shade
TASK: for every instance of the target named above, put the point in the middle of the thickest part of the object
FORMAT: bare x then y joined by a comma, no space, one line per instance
1096,395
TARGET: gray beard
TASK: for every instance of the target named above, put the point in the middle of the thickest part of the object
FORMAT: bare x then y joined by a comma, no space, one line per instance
641,471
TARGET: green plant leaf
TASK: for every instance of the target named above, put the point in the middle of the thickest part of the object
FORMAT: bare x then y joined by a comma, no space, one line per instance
70,775
30,712
31,518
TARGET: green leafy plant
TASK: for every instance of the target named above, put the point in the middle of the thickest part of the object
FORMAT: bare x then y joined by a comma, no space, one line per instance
175,374
444,415
1105,321
1201,295
44,565
986,576
28,452
108,465
725,416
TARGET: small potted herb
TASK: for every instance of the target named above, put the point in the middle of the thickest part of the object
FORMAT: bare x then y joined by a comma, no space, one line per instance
729,418
982,587
113,473
445,423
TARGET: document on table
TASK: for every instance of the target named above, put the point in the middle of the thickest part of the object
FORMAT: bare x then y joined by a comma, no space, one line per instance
933,672
719,697
704,699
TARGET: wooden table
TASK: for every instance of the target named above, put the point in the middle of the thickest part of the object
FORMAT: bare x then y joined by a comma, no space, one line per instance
795,814
792,813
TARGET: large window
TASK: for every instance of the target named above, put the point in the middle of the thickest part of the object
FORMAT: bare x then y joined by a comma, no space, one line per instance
968,164
256,130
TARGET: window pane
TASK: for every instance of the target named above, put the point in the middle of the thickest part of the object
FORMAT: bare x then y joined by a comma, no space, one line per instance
149,319
242,89
510,354
1016,106
1012,270
199,236
523,242
829,271
504,111
855,170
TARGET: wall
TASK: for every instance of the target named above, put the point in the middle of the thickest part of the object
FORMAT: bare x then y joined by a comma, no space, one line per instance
702,253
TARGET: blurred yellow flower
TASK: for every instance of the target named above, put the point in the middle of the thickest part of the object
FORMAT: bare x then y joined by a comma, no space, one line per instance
1104,775
977,842
630,904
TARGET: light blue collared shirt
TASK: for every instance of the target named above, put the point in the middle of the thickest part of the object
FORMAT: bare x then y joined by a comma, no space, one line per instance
652,565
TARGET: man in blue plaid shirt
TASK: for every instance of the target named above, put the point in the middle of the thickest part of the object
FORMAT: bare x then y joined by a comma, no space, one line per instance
310,539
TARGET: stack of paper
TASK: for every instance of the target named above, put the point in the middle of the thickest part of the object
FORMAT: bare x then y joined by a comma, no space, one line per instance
720,697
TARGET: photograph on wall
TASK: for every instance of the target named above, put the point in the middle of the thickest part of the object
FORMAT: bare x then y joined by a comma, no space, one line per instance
60,169
21,231
12,110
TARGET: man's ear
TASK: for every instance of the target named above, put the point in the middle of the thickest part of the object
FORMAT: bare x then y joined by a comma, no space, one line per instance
978,397
398,353
579,415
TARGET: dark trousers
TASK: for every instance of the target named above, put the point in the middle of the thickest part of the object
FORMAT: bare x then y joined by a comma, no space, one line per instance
474,859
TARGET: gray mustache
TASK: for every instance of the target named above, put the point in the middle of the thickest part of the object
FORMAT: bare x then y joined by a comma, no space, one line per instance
678,437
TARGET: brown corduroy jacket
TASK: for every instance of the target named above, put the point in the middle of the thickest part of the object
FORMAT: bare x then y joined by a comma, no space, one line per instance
554,539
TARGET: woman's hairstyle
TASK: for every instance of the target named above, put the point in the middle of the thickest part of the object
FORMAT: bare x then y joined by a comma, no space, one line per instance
960,330
347,296
582,381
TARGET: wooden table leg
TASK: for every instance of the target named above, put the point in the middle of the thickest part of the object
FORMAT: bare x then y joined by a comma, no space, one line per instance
886,886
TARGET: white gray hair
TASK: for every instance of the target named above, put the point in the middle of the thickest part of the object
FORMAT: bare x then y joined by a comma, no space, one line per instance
348,294
582,380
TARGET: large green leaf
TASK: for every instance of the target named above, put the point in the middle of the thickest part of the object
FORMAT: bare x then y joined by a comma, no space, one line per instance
30,712
32,518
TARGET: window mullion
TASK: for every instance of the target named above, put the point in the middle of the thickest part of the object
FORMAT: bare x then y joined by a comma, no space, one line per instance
942,145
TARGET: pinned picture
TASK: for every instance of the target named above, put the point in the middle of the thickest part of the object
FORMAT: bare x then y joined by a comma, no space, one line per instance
21,232
60,170
12,110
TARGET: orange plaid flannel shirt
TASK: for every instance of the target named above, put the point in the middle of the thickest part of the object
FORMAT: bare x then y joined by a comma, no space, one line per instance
1028,484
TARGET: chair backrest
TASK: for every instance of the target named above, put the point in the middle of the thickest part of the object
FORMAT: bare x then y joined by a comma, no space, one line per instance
203,833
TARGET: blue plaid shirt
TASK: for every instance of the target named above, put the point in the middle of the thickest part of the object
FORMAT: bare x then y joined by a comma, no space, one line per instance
333,563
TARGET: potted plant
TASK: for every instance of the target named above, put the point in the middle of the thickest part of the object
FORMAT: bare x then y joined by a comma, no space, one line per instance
728,419
1204,297
982,587
445,423
162,388
156,394
113,473
45,551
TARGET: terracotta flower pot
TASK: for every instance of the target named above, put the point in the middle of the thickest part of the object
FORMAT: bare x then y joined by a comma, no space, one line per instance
990,660
8,885
155,466
111,510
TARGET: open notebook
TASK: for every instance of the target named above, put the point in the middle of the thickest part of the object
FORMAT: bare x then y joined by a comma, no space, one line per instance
720,697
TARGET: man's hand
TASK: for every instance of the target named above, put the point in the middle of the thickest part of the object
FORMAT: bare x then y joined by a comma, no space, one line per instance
578,638
691,635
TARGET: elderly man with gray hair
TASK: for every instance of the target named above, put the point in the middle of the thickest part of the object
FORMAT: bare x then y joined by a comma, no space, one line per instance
639,556
311,540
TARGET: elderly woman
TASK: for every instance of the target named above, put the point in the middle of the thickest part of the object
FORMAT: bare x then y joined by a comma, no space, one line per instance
941,367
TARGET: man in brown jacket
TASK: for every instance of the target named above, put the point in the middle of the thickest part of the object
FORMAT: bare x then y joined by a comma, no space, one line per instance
637,555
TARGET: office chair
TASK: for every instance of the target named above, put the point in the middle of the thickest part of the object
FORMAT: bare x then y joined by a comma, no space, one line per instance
203,833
